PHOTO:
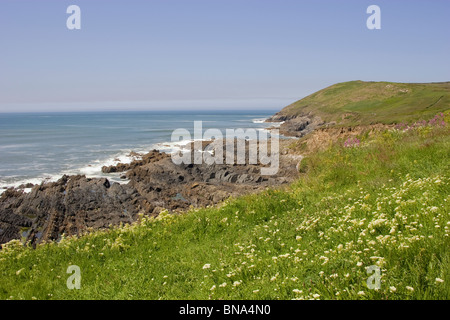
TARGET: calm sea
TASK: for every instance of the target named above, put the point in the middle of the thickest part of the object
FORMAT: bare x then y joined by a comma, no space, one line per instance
43,146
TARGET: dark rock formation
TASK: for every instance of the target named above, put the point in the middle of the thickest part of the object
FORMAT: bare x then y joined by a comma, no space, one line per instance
296,126
73,204
70,205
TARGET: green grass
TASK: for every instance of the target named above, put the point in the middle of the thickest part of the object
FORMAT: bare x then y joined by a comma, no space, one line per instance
385,203
362,103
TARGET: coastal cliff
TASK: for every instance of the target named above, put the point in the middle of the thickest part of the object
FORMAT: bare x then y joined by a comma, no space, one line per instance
359,103
75,204
362,195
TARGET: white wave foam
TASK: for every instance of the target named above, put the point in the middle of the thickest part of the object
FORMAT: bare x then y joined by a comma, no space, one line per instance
95,169
259,120
174,146
276,124
36,181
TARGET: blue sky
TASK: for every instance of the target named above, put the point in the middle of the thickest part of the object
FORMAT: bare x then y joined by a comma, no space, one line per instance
169,54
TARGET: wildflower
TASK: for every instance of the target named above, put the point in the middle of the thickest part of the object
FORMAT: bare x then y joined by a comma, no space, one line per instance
439,280
207,266
297,291
316,296
361,293
409,288
223,285
213,288
351,142
359,264
392,289
255,291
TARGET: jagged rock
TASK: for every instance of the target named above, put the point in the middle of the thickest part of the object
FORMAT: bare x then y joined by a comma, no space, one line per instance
296,125
70,205
25,186
73,204
152,156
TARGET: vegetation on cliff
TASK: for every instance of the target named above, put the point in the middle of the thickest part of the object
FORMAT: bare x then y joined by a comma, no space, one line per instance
362,103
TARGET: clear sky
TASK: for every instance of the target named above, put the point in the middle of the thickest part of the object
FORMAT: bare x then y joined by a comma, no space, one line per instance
157,54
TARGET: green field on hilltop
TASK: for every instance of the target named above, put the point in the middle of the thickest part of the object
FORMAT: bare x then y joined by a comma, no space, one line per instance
381,202
362,103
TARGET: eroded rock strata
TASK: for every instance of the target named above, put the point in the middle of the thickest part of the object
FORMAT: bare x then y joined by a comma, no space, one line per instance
296,126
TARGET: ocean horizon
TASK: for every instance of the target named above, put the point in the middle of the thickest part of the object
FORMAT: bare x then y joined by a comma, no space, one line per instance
36,147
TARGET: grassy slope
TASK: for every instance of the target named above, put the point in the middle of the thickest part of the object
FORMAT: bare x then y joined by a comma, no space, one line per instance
374,102
385,202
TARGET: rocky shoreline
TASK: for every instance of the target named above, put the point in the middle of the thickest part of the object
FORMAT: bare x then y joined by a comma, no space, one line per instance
296,126
74,204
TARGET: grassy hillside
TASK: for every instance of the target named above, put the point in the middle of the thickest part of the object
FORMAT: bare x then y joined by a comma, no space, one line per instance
359,102
383,201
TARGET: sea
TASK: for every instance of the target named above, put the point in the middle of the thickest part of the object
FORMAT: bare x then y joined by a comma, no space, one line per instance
37,147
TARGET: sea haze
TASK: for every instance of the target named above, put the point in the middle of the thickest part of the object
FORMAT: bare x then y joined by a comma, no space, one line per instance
43,146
